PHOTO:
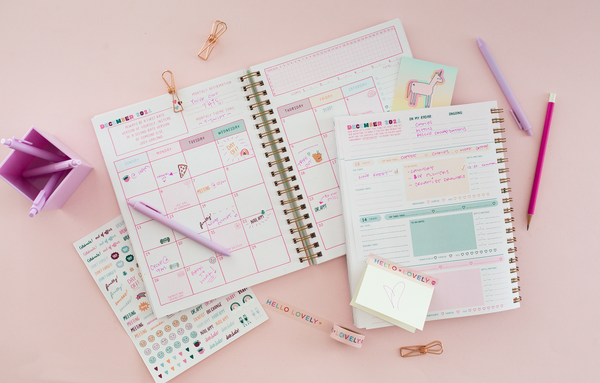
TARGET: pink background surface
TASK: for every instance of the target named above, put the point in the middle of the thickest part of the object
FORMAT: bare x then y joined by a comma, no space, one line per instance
66,61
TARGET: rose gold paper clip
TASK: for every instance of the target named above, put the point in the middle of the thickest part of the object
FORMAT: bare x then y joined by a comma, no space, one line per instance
431,348
177,106
218,29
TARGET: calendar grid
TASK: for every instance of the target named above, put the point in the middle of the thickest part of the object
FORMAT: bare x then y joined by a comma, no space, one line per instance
178,154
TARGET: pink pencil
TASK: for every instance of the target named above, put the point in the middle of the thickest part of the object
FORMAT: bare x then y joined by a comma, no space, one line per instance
540,162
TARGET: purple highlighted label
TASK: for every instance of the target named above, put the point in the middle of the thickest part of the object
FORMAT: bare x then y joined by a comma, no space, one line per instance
197,140
296,107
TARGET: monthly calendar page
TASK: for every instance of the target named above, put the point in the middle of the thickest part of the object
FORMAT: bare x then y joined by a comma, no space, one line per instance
204,168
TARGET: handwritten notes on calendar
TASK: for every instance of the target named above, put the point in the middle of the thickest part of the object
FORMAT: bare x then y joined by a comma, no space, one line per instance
394,293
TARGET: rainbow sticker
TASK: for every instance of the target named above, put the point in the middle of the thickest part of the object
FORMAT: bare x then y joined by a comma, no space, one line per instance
247,298
244,152
234,306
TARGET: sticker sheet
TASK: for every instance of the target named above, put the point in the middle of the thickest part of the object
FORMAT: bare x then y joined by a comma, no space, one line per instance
172,344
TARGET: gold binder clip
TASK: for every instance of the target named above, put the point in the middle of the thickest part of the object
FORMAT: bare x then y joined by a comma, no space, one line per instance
218,29
431,348
177,106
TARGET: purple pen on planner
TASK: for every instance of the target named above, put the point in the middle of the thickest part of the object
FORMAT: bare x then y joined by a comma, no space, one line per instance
52,168
27,147
516,110
43,195
172,224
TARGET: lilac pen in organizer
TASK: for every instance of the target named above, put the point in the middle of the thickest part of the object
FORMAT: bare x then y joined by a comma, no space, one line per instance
27,147
172,224
42,197
52,168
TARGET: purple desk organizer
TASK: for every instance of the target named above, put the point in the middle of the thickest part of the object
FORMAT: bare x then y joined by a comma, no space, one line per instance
17,162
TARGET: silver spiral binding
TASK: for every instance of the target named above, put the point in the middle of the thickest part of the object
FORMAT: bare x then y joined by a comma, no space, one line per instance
511,240
275,142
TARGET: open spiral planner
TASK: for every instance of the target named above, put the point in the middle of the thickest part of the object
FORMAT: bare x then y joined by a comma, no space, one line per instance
428,189
250,162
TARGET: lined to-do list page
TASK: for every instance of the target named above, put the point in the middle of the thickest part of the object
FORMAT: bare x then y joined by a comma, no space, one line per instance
348,76
204,168
425,189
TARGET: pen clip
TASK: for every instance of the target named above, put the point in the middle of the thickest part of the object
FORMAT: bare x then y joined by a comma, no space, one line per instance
22,141
516,119
150,207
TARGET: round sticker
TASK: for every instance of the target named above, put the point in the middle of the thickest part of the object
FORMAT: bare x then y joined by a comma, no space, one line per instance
177,344
193,334
160,355
129,258
147,351
164,341
180,331
169,350
167,328
120,264
151,338
185,339
115,255
156,346
159,333
143,343
152,360
188,326
184,318
125,249
172,336
175,323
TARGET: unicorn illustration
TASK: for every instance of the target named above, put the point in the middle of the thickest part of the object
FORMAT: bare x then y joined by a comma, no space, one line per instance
414,89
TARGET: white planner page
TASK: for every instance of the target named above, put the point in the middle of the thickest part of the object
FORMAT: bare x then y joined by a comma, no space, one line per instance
206,169
352,75
424,189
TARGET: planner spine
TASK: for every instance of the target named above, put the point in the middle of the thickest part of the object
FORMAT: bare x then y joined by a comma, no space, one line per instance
507,200
274,145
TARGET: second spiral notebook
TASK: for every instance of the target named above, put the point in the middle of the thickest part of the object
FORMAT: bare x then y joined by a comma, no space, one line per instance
428,189
249,161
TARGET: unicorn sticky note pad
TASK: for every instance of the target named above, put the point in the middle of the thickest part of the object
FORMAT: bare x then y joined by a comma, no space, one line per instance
423,84
394,293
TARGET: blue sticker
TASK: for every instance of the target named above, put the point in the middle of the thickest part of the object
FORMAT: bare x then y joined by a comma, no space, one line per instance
129,258
120,264
193,334
177,344
169,350
160,355
152,360
185,339
125,249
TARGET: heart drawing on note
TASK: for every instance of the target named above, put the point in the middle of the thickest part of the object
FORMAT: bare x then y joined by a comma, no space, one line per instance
395,293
